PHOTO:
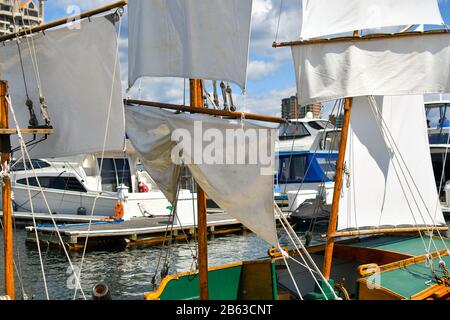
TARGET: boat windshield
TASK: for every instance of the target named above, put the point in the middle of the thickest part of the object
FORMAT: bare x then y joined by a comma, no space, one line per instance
114,173
37,164
294,130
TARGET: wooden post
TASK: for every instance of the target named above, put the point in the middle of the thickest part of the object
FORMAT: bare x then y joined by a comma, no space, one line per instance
5,146
196,97
337,190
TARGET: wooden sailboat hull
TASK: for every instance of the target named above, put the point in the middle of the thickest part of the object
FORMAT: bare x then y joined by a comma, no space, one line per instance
398,262
250,280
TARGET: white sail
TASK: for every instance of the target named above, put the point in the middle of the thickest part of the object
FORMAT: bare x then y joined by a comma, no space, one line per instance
243,189
378,189
76,68
394,66
197,39
330,17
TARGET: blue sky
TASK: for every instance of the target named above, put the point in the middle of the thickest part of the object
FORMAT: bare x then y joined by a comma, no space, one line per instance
271,74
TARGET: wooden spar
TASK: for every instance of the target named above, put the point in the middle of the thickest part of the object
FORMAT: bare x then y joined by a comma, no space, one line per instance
64,21
5,148
337,190
196,99
212,112
370,37
385,230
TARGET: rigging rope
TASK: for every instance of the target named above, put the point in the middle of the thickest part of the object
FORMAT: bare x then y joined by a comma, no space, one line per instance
33,122
34,61
28,158
390,142
294,237
108,118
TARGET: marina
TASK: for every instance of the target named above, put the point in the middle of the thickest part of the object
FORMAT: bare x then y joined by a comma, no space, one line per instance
143,155
140,231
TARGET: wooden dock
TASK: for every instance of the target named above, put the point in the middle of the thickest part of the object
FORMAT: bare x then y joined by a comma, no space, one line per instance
136,232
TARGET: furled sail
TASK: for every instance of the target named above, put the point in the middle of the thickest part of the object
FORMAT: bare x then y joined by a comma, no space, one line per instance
325,17
79,77
389,66
236,171
388,182
197,39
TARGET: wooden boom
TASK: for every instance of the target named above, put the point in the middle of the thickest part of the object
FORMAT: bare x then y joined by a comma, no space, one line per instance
369,37
212,112
64,21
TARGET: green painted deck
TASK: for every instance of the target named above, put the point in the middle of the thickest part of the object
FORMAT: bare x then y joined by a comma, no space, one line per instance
407,245
411,280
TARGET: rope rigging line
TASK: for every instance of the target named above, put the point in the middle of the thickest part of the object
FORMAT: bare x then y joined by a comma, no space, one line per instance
118,16
322,189
279,20
389,142
309,165
400,159
33,122
441,182
305,265
28,158
294,238
42,104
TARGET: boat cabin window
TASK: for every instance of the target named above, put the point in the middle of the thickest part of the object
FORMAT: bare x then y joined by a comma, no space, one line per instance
328,166
330,141
37,164
438,115
58,183
292,169
438,165
294,130
114,173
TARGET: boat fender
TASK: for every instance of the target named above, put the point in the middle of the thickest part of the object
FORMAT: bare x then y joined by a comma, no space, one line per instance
367,270
101,292
119,211
143,188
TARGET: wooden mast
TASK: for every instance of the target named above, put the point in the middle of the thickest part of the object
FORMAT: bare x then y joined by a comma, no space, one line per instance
196,97
5,146
332,225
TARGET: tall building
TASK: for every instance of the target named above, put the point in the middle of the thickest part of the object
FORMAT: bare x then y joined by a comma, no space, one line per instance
315,109
290,109
15,15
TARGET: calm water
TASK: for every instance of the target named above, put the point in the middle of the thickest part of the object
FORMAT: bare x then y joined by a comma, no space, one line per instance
127,272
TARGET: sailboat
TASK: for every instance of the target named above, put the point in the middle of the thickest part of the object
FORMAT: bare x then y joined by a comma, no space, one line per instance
209,40
93,117
385,238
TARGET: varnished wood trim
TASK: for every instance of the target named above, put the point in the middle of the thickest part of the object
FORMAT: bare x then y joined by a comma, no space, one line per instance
370,37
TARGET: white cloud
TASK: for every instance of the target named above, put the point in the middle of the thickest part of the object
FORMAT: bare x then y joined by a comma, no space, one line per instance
260,69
